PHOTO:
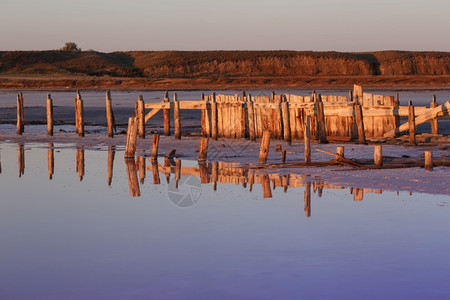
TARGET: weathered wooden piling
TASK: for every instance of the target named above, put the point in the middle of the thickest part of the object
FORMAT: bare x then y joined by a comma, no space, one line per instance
283,156
214,127
307,199
428,160
130,148
109,115
141,117
166,113
307,138
111,155
322,135
204,173
214,174
177,172
155,171
50,161
79,115
80,163
378,156
20,114
155,146
434,121
203,150
412,124
265,183
340,151
360,123
176,117
286,122
251,119
49,115
140,162
21,159
264,149
133,182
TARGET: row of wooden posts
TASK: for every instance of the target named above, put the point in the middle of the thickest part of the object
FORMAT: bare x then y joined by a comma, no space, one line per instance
216,172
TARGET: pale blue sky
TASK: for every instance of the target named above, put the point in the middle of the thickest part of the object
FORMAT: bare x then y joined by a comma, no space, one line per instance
109,25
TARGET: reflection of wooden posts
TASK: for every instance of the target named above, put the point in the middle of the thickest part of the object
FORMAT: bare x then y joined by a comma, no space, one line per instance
340,151
360,123
80,163
434,121
176,117
214,174
109,115
264,149
166,113
358,194
251,119
203,151
307,138
214,128
21,159
155,170
177,172
168,163
50,161
130,148
204,173
155,146
286,123
428,160
321,121
265,183
378,156
49,115
412,123
140,161
20,115
141,117
283,156
133,183
307,199
79,115
111,155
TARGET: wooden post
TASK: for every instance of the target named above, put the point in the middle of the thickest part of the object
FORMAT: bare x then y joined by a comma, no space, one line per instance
109,115
79,115
307,199
141,117
80,163
286,123
321,121
166,113
51,161
203,151
378,156
133,182
307,138
21,159
155,170
360,123
20,114
214,174
251,119
434,121
265,183
283,156
204,173
177,172
176,117
111,155
140,161
49,115
340,151
264,150
130,148
428,160
412,124
214,130
155,146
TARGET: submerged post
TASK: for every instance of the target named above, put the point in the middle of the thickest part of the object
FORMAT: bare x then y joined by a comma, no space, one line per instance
49,115
20,115
109,115
378,156
412,124
203,151
176,116
141,117
428,160
79,115
130,148
264,150
340,151
166,113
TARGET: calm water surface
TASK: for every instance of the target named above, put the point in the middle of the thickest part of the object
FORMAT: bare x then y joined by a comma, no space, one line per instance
69,239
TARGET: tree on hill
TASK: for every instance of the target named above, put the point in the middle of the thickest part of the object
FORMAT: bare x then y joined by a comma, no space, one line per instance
71,47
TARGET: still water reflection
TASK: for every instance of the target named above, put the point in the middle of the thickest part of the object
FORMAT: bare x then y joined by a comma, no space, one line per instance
73,228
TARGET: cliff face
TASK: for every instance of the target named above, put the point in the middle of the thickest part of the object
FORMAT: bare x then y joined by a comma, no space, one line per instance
215,64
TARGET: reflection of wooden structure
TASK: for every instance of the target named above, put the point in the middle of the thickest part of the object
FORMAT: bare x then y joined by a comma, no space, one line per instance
80,163
21,159
111,155
133,182
51,161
